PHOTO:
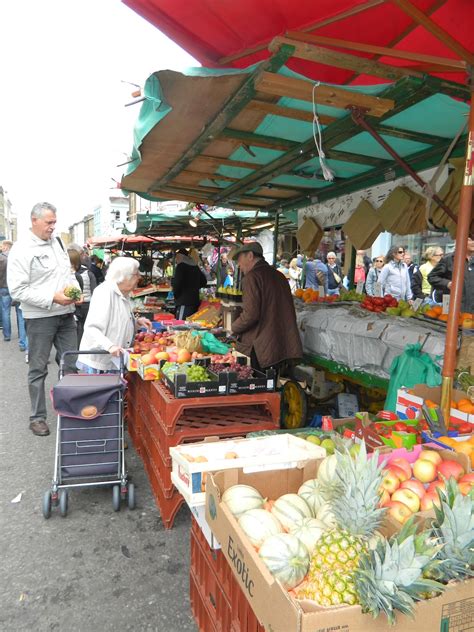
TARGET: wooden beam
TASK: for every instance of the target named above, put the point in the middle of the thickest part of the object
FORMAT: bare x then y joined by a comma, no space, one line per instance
226,61
418,137
436,30
234,104
358,159
378,50
216,161
361,65
257,140
292,113
279,85
207,176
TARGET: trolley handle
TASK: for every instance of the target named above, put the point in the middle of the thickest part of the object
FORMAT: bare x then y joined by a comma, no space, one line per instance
89,352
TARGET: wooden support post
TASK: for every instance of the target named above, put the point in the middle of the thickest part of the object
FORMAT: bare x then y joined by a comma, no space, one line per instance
464,227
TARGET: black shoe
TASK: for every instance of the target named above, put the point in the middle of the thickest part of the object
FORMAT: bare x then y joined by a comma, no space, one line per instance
39,428
6,339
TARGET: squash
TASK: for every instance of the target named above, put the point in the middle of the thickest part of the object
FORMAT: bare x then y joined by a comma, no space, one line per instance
259,524
311,493
308,531
286,558
290,509
242,498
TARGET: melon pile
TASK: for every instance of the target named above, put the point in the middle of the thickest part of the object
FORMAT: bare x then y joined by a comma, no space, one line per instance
286,530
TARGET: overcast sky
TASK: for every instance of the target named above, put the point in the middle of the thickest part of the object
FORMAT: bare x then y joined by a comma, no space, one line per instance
63,124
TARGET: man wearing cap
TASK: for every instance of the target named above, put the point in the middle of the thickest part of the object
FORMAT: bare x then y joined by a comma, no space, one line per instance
187,281
267,327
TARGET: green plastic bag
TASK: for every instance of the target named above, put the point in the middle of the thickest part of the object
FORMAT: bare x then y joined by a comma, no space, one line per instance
210,344
410,368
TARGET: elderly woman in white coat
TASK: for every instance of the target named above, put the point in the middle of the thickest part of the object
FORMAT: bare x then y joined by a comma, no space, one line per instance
394,277
110,323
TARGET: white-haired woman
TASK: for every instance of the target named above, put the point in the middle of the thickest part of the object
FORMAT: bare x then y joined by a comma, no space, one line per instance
110,324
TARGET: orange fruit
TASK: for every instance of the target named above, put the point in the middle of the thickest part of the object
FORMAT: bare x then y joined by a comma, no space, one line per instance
430,403
453,404
466,408
463,447
443,317
437,309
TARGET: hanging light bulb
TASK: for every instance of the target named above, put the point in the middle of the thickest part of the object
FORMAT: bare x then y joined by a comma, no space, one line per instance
194,219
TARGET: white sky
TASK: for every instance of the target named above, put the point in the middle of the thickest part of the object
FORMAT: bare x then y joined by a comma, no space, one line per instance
63,124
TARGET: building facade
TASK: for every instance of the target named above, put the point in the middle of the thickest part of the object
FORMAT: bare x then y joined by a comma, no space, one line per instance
8,219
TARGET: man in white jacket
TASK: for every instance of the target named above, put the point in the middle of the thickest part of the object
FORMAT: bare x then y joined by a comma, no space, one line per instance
38,273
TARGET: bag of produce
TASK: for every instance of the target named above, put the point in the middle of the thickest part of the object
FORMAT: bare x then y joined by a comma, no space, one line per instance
185,340
210,344
410,368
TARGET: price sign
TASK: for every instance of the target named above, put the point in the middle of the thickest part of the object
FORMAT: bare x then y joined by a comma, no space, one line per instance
446,299
417,304
378,289
321,291
360,287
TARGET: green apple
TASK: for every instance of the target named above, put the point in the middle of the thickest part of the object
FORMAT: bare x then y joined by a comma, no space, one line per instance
313,439
328,445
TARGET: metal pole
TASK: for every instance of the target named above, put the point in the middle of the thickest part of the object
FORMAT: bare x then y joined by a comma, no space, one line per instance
275,238
456,290
352,269
358,117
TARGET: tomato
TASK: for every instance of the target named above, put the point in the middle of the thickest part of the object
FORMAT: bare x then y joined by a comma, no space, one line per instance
387,299
378,309
378,301
465,428
400,426
411,429
393,303
370,308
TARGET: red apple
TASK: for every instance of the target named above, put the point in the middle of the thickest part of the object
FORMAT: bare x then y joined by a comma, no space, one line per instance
425,471
465,488
390,481
408,498
148,338
432,487
467,478
147,359
399,472
399,511
446,469
429,500
403,464
431,455
414,486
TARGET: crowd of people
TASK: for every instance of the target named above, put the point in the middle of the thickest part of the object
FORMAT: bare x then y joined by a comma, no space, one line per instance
394,273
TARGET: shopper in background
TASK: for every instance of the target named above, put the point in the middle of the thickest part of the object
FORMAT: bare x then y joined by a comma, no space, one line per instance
316,273
394,277
366,262
294,275
410,264
97,268
221,269
420,285
186,283
38,273
267,327
5,298
87,283
284,268
335,274
441,278
110,324
373,275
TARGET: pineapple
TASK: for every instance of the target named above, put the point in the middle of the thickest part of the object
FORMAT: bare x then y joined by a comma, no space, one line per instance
347,567
454,527
354,503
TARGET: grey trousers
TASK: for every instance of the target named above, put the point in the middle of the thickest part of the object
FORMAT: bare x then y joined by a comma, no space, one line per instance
42,334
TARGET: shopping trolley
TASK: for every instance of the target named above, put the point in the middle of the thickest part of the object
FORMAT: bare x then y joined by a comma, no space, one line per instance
90,436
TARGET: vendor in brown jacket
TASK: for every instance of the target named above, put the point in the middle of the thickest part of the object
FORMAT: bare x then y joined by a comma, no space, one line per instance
267,325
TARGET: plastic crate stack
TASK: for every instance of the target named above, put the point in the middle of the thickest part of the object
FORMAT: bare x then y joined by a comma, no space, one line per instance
217,601
158,421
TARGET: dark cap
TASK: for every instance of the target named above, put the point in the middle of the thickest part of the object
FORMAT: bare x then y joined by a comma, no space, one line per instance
251,246
182,251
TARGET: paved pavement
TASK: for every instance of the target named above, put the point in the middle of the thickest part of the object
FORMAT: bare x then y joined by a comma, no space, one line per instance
94,570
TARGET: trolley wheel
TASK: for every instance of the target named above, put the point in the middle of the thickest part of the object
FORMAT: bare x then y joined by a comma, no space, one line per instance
47,505
116,497
55,498
131,498
293,405
63,502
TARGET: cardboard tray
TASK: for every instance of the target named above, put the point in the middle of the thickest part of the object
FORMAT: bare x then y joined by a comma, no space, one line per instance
261,382
273,606
276,452
409,405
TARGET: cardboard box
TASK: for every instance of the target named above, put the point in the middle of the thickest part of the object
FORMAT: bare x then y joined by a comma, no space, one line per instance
131,360
276,610
148,372
363,227
275,452
409,404
199,514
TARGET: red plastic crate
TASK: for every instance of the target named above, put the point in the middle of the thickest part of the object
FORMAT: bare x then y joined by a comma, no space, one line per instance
131,415
215,558
174,411
201,614
161,470
209,588
168,507
243,617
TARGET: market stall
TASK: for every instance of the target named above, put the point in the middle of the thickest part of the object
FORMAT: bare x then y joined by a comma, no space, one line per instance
274,137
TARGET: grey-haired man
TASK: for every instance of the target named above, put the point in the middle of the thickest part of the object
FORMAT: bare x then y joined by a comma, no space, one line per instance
38,273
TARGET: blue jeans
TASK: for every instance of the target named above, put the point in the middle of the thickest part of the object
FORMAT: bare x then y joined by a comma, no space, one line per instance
20,321
6,301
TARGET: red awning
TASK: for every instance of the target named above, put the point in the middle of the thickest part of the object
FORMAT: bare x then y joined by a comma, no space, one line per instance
216,31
